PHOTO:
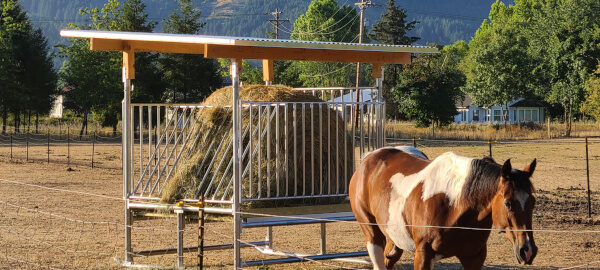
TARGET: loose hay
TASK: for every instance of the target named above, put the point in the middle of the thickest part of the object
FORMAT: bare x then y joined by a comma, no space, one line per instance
201,174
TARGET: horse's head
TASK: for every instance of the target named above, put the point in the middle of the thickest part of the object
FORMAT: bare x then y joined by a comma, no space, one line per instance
512,210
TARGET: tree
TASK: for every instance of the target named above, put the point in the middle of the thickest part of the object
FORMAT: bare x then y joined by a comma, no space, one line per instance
325,20
90,80
429,88
498,67
189,78
28,77
566,46
591,106
393,29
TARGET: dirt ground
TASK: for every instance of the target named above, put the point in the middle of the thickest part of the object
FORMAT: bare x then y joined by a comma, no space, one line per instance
54,218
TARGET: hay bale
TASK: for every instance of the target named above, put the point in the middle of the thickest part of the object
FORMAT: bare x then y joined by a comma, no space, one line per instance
193,177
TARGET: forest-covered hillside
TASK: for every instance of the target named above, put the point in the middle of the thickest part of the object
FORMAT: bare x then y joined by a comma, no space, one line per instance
442,21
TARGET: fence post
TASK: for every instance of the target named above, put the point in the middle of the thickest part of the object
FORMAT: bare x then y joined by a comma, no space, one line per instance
587,168
490,146
27,146
48,139
201,233
414,142
69,147
93,147
11,146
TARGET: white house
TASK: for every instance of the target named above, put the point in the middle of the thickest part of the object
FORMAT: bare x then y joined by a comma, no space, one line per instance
518,111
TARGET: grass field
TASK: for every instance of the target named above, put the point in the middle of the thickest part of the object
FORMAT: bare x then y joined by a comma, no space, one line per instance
55,218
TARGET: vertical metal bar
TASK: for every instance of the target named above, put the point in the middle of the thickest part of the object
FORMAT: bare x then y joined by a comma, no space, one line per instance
27,146
250,156
141,136
337,150
277,155
201,233
295,150
587,169
303,149
259,180
321,148
149,132
329,146
360,119
126,161
345,122
270,237
312,153
157,143
268,142
285,145
180,229
323,243
48,146
237,188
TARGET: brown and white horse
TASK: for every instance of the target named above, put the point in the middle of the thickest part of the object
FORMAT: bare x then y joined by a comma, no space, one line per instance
406,202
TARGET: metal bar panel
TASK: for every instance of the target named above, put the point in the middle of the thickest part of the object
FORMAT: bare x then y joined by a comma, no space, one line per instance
303,149
237,188
251,155
312,153
321,149
295,151
268,142
285,144
277,154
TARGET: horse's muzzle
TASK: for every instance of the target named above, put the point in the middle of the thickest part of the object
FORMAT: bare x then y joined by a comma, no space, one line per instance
525,253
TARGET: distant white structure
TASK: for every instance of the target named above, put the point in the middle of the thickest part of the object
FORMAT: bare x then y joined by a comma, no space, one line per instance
518,111
57,107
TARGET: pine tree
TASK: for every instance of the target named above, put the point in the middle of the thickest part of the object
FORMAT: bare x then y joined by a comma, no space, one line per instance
393,29
189,78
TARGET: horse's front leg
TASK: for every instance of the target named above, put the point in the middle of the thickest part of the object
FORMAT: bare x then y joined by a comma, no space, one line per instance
424,256
474,262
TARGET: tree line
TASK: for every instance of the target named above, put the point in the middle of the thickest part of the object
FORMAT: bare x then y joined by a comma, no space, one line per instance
541,49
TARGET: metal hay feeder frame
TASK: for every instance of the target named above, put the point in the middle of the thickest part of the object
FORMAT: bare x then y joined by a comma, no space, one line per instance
165,137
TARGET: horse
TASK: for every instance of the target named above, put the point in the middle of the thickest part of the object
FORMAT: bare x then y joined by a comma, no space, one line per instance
406,202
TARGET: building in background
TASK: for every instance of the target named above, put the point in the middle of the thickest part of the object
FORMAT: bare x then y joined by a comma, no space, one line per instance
520,110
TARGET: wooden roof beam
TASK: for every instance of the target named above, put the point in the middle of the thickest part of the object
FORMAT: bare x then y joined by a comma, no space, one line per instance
97,44
320,55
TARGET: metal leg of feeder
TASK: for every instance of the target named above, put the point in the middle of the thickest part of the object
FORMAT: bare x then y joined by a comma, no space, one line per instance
323,243
126,149
237,188
269,237
180,229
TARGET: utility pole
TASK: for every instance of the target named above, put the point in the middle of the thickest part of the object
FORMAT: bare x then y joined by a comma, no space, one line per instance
277,21
361,6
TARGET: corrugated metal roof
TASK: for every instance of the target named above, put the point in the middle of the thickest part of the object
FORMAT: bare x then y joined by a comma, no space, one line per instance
242,41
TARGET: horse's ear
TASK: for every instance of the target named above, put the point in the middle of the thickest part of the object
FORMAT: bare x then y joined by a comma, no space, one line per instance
531,167
506,169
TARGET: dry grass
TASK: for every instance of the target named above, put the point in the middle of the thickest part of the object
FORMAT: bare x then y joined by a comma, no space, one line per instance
34,240
407,130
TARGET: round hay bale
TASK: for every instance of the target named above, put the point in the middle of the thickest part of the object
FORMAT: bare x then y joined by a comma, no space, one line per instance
206,172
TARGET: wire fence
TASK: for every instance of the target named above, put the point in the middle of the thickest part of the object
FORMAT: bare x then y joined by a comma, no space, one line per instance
49,225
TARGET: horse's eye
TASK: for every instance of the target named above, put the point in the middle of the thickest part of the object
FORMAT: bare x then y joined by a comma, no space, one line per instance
508,204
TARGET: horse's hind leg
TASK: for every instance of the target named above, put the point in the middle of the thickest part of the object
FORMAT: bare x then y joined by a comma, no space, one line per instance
392,254
375,244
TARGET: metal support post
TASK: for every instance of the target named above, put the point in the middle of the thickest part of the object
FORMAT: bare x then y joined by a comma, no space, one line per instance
269,237
126,149
93,148
587,169
201,233
27,146
48,146
180,229
323,243
237,188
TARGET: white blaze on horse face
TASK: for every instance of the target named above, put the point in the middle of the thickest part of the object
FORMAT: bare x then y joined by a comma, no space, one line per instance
446,174
376,255
522,197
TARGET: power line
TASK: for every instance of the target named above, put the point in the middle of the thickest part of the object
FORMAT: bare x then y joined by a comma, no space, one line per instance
277,21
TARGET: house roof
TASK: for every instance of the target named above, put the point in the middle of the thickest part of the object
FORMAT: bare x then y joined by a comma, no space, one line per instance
465,102
528,103
366,95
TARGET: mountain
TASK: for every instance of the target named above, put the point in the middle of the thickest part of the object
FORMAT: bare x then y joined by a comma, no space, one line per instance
441,21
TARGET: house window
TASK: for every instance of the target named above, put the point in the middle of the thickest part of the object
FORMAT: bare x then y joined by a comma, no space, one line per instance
464,116
521,115
534,115
476,115
497,116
